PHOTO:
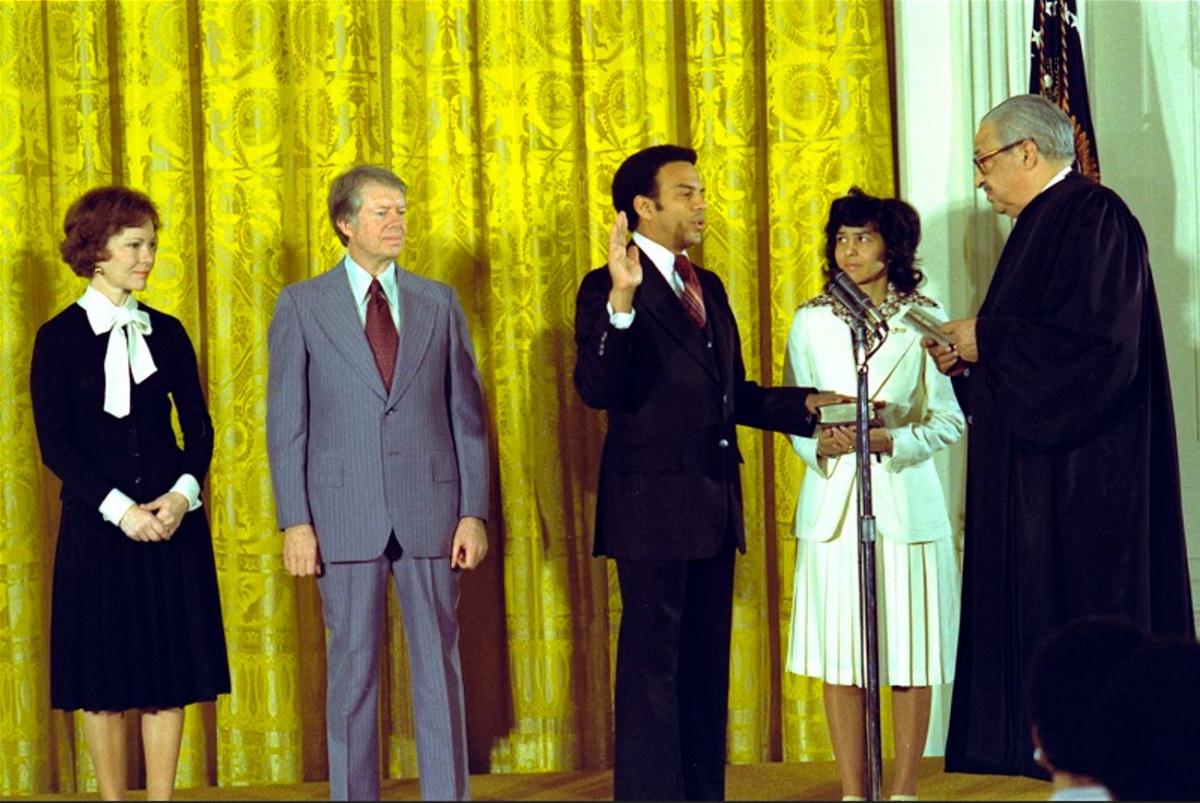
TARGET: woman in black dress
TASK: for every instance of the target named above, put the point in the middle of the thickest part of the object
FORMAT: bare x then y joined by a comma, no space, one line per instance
135,616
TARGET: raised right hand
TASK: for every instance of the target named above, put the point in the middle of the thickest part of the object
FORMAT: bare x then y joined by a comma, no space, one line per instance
300,556
624,265
142,525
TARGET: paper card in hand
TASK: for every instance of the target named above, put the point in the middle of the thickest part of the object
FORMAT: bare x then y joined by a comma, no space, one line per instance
926,324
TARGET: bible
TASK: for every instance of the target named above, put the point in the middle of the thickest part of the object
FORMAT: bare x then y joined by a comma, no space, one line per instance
845,414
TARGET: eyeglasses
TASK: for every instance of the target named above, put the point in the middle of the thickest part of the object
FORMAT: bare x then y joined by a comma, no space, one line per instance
981,160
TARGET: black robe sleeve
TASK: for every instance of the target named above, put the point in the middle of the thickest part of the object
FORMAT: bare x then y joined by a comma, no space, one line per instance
1059,371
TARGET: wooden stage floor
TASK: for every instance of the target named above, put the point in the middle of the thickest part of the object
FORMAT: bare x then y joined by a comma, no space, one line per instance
814,781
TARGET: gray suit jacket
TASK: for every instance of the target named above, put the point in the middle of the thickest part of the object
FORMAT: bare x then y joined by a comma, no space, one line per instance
355,461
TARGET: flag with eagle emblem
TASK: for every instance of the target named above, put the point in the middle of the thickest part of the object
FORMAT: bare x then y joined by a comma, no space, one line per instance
1056,71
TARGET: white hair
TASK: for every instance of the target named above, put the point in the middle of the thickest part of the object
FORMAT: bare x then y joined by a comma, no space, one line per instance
1034,117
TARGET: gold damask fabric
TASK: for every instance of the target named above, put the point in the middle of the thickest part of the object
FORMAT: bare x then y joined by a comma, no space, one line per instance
507,119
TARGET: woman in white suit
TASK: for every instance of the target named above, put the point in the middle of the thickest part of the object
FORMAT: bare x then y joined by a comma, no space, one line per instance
874,241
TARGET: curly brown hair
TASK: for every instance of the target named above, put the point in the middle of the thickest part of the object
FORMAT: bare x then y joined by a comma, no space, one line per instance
897,223
96,216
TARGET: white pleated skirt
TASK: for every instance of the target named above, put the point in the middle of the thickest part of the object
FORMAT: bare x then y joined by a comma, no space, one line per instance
917,600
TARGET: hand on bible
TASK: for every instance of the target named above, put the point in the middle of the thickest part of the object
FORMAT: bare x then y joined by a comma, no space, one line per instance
624,265
839,440
821,398
834,441
879,441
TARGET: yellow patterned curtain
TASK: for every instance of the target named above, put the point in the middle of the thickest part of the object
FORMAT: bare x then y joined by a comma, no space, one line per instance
507,119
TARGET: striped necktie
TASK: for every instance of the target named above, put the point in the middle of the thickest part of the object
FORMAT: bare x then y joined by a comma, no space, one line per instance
693,296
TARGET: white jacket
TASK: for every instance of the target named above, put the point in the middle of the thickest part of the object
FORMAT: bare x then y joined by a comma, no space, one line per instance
922,416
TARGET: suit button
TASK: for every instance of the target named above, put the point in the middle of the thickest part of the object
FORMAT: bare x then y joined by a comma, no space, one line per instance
970,420
708,344
391,410
723,443
724,398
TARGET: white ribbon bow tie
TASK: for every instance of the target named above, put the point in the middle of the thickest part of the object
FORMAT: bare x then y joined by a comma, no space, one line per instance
127,353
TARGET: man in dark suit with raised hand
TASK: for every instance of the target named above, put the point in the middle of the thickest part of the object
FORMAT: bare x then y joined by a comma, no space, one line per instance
658,349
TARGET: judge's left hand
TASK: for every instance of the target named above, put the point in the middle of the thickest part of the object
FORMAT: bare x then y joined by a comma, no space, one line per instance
470,543
170,508
962,338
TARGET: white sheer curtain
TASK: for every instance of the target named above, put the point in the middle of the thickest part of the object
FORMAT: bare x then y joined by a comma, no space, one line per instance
1143,66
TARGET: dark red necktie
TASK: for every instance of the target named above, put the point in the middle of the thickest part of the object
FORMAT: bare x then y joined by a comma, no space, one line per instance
381,332
693,296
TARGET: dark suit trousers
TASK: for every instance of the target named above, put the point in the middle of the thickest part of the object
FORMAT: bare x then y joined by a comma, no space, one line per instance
672,695
353,596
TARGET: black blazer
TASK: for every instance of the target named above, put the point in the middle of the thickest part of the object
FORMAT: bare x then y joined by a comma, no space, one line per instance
669,480
91,451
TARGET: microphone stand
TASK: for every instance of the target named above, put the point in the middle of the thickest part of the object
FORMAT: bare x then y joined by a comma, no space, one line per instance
866,569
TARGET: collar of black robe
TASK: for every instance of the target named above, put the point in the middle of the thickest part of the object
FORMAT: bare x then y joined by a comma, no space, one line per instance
1028,215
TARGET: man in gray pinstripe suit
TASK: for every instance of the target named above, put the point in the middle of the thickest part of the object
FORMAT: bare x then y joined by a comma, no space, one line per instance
379,461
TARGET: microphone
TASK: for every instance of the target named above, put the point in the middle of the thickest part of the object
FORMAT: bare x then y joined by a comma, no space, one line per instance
843,288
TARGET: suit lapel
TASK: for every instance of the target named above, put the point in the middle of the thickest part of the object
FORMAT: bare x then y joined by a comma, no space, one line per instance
338,316
657,298
418,314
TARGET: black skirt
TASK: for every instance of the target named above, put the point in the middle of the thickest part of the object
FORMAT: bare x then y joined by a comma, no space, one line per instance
134,624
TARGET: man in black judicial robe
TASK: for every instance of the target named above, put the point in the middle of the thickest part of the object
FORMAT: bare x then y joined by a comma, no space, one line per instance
1073,492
